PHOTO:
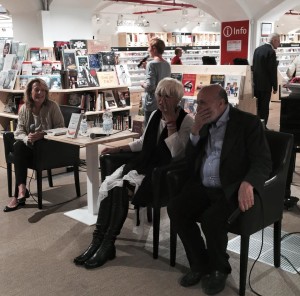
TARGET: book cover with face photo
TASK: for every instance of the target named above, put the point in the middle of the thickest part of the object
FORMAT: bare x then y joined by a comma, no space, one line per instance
201,80
234,87
107,60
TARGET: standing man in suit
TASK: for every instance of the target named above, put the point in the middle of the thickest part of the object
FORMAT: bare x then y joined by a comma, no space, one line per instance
265,75
229,160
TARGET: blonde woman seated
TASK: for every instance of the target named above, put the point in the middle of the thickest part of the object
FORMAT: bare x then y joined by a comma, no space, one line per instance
164,139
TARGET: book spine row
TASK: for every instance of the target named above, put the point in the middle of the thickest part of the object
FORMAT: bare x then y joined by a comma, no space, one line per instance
121,122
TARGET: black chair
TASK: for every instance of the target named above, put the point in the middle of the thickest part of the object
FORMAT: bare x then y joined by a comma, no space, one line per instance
240,61
47,155
110,162
264,212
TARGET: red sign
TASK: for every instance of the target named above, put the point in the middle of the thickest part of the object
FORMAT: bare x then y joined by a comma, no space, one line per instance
234,41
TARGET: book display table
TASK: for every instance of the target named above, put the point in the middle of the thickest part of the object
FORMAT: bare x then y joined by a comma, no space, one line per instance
88,214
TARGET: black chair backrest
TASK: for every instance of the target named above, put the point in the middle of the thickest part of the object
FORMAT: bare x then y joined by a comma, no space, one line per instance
9,140
67,111
280,146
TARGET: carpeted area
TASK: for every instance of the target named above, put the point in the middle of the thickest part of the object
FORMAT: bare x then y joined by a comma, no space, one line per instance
290,249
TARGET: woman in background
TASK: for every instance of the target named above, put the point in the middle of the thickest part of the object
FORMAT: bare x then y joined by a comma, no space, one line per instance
164,139
156,70
37,114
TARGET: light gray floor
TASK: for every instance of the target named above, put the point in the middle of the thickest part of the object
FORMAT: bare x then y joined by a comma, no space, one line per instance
38,246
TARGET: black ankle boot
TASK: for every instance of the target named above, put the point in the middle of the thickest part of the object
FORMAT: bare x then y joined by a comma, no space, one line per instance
119,210
103,220
87,254
106,252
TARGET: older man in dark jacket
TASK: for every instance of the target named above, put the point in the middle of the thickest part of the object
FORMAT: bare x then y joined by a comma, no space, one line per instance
265,75
229,161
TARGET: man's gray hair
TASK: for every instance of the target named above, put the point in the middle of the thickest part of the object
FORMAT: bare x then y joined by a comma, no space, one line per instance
273,36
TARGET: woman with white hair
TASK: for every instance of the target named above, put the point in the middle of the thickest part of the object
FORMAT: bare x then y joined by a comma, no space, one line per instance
163,140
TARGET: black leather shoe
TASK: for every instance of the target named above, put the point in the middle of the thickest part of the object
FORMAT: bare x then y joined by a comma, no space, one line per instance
104,253
11,209
87,254
191,278
214,282
23,199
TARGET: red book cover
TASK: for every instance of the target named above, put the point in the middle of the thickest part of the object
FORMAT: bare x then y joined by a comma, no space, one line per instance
189,82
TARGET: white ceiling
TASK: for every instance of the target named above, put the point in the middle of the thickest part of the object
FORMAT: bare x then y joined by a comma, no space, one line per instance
220,10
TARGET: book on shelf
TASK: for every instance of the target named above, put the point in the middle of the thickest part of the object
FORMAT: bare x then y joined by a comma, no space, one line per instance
46,78
107,79
99,102
74,125
14,47
234,87
95,46
34,54
47,54
82,61
2,43
87,77
80,45
107,60
56,67
69,61
201,80
6,47
22,81
58,47
94,61
8,79
123,75
189,84
46,67
110,101
9,61
26,68
138,124
1,62
177,76
69,78
217,79
55,81
18,64
36,67
22,50
189,105
74,99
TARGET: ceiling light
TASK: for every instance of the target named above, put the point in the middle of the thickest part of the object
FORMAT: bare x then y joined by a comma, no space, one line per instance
158,10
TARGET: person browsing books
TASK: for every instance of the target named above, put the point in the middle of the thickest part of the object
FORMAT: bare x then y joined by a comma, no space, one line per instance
156,70
176,60
37,114
163,140
228,161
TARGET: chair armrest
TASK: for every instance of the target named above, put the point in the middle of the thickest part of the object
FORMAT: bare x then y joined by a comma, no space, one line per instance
110,162
159,179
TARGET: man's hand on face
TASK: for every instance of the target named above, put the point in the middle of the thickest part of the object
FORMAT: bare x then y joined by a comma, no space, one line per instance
202,117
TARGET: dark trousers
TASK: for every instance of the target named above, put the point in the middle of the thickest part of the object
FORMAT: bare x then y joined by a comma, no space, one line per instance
263,102
23,157
209,207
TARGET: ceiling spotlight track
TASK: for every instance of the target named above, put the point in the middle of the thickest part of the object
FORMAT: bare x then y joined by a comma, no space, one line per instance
160,3
155,11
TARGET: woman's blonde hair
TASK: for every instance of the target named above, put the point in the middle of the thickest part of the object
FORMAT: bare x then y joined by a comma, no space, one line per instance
28,98
158,44
169,87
